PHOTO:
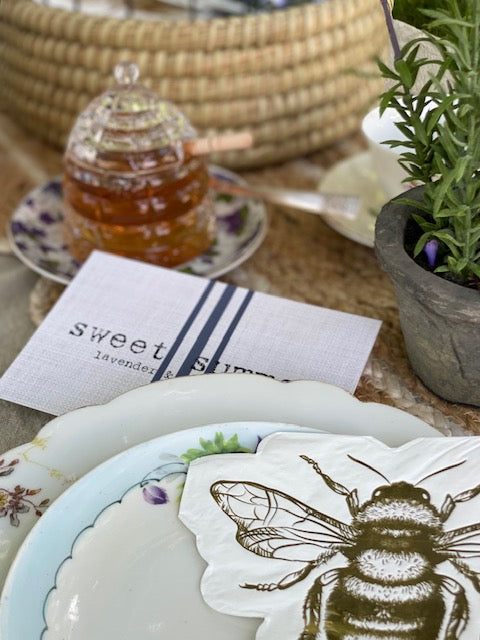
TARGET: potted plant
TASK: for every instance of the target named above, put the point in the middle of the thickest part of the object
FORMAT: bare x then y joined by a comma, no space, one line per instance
428,239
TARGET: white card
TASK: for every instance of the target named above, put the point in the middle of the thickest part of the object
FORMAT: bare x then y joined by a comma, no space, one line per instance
341,533
121,324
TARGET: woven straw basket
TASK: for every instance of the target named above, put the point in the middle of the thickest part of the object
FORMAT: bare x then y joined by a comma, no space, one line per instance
298,79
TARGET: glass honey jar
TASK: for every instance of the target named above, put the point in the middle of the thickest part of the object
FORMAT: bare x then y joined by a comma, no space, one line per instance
131,186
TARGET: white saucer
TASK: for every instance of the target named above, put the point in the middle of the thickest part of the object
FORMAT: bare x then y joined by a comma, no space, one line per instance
356,176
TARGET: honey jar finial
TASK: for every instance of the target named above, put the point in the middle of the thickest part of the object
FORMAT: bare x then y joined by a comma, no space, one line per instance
126,73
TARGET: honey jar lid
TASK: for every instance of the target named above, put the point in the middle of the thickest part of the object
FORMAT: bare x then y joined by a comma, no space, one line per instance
131,122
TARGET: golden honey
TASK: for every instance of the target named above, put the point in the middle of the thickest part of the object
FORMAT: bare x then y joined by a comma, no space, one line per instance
129,186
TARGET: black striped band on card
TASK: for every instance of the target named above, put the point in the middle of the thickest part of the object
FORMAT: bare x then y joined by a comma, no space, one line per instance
206,331
183,332
229,332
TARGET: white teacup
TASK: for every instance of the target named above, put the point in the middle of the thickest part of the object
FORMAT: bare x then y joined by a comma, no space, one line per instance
384,159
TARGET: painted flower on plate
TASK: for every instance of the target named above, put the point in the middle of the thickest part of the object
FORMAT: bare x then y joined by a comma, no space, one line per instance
17,500
153,494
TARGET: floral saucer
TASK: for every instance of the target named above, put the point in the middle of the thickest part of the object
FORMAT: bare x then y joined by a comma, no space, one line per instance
35,232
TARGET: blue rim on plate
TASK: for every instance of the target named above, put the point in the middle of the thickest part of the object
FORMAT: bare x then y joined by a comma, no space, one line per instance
35,232
79,507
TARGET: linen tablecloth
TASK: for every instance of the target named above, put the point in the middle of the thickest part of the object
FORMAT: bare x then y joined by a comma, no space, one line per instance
302,258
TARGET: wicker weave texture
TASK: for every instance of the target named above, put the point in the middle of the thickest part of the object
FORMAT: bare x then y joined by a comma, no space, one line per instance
298,79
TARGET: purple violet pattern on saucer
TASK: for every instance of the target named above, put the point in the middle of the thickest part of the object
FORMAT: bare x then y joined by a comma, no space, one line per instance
35,233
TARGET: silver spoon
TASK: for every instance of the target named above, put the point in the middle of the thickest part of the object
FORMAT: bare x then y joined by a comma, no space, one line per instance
329,204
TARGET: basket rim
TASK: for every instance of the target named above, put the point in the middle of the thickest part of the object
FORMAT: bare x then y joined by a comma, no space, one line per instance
283,25
182,88
269,58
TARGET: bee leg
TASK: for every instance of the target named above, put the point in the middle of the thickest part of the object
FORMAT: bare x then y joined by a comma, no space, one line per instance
467,572
450,502
313,605
458,616
287,581
350,496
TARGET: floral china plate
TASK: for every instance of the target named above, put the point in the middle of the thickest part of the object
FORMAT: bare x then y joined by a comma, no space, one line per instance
110,557
35,232
33,475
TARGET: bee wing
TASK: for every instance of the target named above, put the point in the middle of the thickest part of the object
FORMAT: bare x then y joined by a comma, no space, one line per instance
275,525
464,541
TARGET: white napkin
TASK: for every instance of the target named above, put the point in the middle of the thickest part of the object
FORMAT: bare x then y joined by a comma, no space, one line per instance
319,531
121,324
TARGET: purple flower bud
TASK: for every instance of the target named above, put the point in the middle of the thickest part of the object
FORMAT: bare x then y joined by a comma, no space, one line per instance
431,249
153,494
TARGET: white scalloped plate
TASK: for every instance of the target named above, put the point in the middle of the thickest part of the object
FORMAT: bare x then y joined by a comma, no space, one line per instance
73,444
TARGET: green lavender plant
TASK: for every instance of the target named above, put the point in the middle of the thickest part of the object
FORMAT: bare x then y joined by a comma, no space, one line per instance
441,126
411,11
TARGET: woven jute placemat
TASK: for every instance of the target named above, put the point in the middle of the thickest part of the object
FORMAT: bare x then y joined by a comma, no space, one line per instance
301,259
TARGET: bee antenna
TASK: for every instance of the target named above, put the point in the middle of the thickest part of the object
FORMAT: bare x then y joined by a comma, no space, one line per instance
434,473
365,464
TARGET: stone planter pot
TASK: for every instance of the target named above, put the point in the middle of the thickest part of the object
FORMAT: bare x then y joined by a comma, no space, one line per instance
440,320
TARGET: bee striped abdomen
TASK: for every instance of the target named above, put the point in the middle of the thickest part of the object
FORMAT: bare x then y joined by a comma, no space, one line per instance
362,608
388,593
389,590
388,567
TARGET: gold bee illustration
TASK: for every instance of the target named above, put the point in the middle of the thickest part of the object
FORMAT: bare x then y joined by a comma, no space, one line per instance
390,587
